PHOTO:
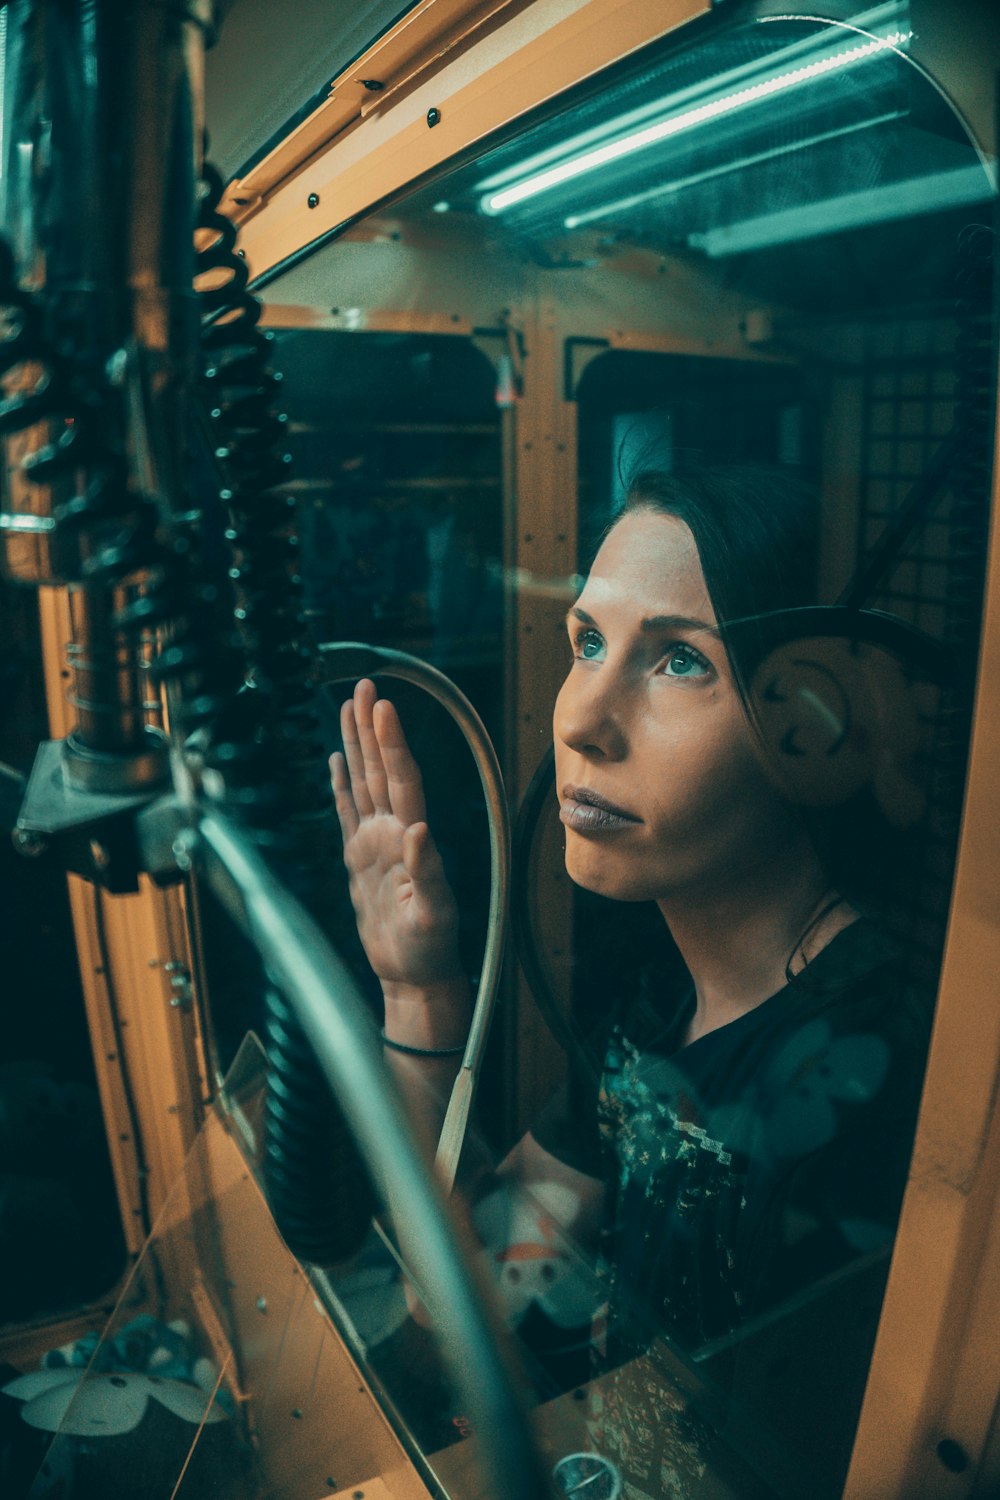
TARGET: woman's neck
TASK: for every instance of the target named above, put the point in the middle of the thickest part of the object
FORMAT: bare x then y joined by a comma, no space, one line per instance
741,940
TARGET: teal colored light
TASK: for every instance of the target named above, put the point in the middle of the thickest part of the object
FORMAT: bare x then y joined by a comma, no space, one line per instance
681,121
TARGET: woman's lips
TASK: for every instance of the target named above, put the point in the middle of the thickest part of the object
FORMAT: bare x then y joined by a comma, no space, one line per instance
587,812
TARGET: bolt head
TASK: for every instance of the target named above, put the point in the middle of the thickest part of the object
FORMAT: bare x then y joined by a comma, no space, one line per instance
29,843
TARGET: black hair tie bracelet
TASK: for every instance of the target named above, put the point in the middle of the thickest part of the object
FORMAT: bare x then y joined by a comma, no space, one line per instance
423,1051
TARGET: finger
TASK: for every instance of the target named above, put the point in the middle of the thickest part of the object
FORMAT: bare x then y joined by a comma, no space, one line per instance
364,702
404,782
343,799
355,760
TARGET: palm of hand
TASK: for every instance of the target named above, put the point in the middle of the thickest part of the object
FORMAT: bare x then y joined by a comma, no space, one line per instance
408,927
405,909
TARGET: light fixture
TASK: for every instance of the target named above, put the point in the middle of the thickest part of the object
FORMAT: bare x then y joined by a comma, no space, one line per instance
589,160
898,200
738,164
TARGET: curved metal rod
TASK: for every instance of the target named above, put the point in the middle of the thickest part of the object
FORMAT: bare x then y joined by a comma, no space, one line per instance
336,1019
344,661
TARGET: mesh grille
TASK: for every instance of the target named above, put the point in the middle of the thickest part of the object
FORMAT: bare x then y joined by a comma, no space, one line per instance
910,406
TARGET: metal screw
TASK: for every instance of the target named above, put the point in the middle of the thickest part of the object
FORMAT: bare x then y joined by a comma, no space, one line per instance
183,993
181,849
313,200
117,367
262,1304
29,843
433,117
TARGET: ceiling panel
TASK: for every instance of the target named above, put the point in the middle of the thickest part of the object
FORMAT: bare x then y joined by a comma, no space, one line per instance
271,61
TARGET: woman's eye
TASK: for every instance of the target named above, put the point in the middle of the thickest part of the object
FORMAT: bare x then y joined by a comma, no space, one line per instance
588,645
683,660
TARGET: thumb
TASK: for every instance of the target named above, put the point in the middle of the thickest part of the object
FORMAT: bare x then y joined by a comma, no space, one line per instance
421,859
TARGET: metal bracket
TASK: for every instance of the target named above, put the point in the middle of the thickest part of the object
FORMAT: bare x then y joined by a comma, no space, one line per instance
91,833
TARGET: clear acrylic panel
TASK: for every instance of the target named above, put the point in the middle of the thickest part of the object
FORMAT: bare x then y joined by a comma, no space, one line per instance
758,258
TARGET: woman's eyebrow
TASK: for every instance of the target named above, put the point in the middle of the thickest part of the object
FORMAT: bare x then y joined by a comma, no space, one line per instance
655,623
677,622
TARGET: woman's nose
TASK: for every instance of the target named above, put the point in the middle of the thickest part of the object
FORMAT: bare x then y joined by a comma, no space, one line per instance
588,716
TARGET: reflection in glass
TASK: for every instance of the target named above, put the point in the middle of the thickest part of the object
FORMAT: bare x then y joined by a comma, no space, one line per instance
735,265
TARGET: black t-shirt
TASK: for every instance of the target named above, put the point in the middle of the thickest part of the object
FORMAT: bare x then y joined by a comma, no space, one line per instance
744,1166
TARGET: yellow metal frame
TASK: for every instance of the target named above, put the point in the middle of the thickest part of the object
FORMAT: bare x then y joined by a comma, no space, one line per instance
136,968
935,1375
543,48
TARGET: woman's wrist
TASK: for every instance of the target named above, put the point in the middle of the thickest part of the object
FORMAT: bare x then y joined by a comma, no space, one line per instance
433,1016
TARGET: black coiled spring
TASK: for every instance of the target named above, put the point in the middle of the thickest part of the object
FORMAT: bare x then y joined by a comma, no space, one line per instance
310,1165
104,530
249,437
273,765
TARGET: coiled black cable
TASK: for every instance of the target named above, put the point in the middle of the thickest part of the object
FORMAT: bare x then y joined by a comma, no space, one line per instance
107,531
249,446
310,1164
85,451
271,755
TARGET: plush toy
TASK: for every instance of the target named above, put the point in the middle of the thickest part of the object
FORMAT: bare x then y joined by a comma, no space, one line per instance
128,1414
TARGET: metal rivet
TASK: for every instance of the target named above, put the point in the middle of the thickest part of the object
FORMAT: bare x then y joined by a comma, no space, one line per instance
313,200
28,842
433,117
952,1455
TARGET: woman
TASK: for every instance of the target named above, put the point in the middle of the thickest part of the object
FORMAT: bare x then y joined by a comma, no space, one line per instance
752,1127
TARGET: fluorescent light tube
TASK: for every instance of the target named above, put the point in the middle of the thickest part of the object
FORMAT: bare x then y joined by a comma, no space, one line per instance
687,119
900,200
738,164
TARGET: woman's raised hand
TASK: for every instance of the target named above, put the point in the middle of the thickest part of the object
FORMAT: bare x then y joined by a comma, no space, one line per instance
405,909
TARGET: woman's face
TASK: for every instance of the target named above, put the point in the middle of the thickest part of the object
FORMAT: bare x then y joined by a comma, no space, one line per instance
660,785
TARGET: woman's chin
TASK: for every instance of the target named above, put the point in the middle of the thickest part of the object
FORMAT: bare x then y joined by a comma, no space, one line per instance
596,873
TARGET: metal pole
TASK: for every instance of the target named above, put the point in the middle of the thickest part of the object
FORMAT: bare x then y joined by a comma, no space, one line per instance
336,1019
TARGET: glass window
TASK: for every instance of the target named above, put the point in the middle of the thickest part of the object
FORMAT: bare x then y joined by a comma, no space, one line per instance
700,469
